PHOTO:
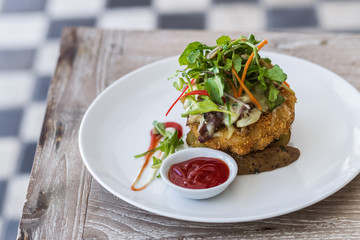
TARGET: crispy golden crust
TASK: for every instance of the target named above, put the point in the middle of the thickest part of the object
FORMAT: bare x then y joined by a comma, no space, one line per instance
258,135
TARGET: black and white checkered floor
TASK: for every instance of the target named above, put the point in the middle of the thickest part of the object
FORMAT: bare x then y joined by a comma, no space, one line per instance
29,44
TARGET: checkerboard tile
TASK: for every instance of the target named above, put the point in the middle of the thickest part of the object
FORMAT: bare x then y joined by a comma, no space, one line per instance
29,48
1,220
23,6
234,1
22,31
140,19
3,185
32,121
183,6
232,17
11,229
127,3
46,57
287,18
11,118
63,9
182,21
350,9
57,25
27,157
41,88
287,3
15,196
19,82
9,151
16,59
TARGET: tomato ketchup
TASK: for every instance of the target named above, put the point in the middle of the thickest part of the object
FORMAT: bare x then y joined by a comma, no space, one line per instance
199,173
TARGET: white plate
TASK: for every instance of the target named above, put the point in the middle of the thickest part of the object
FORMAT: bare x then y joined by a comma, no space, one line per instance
326,130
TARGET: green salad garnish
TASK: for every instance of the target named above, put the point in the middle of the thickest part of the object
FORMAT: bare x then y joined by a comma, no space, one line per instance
231,68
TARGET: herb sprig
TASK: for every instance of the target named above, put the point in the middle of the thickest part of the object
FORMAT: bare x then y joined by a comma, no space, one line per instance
171,140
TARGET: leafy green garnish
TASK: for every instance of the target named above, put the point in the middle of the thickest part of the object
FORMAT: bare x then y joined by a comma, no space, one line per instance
179,84
191,52
279,100
228,64
273,93
223,40
215,87
167,147
170,141
211,67
203,106
156,163
237,61
276,74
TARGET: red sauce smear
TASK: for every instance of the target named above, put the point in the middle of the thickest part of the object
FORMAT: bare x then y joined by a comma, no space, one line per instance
199,173
155,138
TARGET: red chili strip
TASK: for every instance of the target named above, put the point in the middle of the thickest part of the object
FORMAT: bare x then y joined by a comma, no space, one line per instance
192,81
197,92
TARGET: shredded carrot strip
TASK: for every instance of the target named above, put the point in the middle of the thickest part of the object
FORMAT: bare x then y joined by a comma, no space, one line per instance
252,98
155,138
286,84
247,64
233,87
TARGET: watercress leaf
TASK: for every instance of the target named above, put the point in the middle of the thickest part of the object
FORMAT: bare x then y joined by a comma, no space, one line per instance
251,39
237,61
191,47
223,40
266,60
276,74
215,69
179,84
218,58
249,84
193,56
273,93
160,127
252,69
215,87
262,71
170,143
194,73
279,100
228,64
156,163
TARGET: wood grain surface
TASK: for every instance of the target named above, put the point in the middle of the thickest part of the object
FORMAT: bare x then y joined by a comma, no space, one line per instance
65,202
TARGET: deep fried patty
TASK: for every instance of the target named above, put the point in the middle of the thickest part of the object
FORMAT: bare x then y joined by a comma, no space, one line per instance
257,136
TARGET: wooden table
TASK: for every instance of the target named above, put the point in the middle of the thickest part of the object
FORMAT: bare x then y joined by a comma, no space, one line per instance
64,201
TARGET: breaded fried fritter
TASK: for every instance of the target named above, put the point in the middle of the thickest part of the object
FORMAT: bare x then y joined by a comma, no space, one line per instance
257,136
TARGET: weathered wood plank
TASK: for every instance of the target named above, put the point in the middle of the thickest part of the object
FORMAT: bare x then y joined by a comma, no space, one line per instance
56,201
337,217
64,202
